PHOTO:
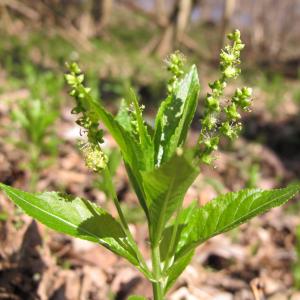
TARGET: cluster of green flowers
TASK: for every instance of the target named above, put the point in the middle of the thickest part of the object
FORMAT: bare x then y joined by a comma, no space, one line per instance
218,120
95,158
175,64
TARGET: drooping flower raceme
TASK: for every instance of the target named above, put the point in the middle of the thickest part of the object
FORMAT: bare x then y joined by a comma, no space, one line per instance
94,157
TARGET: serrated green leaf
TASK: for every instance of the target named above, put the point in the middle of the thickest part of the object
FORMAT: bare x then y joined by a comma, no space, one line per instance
174,117
166,187
229,211
76,217
197,225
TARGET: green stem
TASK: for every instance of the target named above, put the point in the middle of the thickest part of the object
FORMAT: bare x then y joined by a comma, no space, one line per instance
124,223
173,239
157,287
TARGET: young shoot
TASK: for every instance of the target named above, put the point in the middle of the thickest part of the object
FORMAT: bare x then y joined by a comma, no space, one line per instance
35,120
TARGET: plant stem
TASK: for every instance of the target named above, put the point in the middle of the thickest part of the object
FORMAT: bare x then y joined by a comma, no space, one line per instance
156,269
124,223
173,239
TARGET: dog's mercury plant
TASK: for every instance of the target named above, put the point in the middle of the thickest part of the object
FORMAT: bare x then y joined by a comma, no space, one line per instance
160,168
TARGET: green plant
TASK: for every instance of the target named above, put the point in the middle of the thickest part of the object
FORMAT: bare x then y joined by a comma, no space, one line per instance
275,88
253,175
35,119
160,169
43,84
296,266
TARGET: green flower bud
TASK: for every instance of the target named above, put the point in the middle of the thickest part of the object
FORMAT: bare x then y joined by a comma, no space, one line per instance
238,92
209,122
212,143
217,85
80,78
231,131
175,64
228,130
245,103
74,68
172,86
239,47
241,98
246,91
230,72
71,79
232,113
73,93
212,103
94,157
227,58
84,122
234,36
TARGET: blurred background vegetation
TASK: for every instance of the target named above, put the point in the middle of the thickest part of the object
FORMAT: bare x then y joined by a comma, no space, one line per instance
127,40
116,41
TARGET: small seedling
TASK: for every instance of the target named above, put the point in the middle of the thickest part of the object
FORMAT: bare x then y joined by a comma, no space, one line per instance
35,119
275,89
161,169
44,85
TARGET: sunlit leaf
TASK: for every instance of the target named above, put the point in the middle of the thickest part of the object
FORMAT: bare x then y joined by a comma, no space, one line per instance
174,117
76,217
166,187
229,211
